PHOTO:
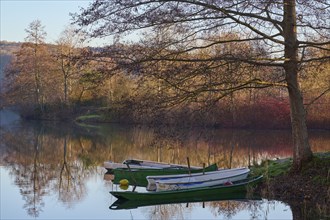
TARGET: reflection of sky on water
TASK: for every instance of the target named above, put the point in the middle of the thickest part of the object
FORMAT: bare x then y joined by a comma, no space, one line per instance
95,205
52,170
7,117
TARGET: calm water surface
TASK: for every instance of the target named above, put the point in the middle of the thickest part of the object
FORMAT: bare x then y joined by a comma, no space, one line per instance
54,171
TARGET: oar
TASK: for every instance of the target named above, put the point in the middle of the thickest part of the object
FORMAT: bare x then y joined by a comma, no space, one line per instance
132,176
188,165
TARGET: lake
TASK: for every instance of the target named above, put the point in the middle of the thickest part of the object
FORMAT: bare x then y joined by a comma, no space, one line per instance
54,170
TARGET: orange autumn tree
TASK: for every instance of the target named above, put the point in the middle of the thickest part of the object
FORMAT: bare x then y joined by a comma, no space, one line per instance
30,81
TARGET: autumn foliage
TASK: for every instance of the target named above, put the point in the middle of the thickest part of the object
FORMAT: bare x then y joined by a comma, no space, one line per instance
145,83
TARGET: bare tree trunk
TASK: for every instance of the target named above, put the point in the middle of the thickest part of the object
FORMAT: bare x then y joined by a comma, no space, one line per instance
301,147
66,100
37,78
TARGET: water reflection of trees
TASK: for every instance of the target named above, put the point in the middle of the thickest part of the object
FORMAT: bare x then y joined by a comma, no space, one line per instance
46,158
165,212
41,163
70,184
226,209
28,168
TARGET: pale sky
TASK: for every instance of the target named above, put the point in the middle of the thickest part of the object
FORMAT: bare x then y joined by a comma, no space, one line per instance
16,15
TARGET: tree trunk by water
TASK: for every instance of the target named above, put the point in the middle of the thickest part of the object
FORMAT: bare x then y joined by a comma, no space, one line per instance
301,148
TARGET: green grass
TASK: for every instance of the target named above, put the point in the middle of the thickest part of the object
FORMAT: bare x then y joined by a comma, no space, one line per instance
272,168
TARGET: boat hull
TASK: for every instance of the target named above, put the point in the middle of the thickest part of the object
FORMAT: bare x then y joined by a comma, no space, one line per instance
208,179
138,177
239,186
144,164
120,204
109,165
155,164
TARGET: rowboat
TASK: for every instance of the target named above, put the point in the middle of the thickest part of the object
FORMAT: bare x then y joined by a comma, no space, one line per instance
144,164
191,194
109,165
138,177
186,181
120,204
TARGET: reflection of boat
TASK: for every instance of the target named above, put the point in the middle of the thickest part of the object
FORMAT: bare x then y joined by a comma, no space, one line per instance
187,181
144,164
200,192
132,204
139,176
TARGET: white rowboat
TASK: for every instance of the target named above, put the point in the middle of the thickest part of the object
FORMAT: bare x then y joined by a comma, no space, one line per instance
144,164
187,181
109,165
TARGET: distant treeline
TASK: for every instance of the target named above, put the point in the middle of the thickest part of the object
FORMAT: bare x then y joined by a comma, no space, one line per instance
68,81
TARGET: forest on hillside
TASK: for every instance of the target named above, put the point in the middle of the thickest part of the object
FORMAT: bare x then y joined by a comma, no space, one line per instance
7,49
170,77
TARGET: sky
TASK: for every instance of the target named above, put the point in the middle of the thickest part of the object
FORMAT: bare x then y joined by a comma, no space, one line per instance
16,15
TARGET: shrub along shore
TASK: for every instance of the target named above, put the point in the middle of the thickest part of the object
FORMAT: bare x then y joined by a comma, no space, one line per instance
191,119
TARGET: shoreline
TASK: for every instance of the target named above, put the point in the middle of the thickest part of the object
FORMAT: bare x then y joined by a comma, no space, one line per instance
309,188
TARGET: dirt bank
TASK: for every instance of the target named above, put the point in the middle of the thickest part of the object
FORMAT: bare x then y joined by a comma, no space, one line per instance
307,192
